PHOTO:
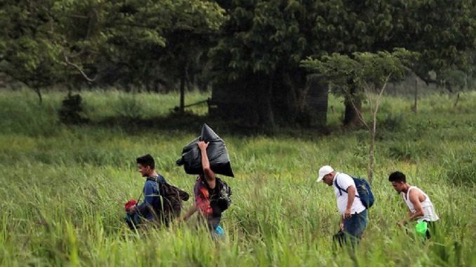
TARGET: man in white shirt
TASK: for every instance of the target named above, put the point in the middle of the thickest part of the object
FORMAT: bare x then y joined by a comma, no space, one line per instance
354,217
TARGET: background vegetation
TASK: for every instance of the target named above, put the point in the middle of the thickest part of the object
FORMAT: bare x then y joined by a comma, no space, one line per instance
248,53
63,187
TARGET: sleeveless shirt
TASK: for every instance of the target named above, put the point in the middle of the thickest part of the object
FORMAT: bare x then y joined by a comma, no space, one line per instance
429,213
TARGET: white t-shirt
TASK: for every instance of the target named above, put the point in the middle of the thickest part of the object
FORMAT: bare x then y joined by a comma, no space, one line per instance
345,181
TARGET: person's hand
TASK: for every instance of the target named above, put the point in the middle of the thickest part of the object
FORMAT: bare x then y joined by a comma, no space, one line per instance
347,214
131,210
202,145
341,226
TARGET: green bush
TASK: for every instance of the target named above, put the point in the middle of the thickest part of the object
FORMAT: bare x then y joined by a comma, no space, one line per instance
71,111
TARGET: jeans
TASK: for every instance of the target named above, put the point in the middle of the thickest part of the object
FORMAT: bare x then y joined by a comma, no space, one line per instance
355,225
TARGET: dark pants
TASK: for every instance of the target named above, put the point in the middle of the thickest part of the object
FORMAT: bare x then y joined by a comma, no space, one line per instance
354,228
213,223
356,224
431,229
133,220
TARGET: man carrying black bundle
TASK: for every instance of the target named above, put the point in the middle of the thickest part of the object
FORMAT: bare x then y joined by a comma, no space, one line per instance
211,195
219,159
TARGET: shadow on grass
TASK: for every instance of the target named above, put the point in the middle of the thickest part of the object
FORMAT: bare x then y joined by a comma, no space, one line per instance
192,123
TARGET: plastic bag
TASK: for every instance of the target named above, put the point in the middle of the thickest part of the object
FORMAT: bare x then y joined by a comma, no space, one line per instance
216,152
421,228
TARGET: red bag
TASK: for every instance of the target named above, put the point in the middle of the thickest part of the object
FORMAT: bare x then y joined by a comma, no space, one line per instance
130,204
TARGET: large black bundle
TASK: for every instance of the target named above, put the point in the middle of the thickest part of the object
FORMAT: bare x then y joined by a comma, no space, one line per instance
216,152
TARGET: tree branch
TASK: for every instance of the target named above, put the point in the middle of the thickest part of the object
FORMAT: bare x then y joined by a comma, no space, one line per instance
359,113
79,69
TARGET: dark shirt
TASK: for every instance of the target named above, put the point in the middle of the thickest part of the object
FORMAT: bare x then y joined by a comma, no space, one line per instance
150,207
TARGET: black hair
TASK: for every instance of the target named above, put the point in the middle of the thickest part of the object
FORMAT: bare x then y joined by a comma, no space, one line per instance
397,176
146,160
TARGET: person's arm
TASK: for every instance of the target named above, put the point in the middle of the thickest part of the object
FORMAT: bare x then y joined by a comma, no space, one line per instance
149,195
414,197
189,213
346,183
350,201
208,172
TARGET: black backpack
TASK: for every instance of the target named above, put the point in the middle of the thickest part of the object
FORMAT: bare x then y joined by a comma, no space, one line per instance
171,201
220,197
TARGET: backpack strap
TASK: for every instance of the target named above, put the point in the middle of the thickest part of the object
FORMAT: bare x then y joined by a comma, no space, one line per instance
338,187
161,197
341,189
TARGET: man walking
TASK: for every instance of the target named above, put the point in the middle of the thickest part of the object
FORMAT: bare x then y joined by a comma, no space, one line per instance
420,207
353,213
150,208
206,190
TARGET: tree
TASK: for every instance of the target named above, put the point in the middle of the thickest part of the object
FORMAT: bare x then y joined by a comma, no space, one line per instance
156,42
49,42
30,52
256,62
55,41
258,57
188,41
369,73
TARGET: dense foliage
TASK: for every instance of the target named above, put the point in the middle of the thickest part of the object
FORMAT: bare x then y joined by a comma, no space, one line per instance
250,50
264,42
128,43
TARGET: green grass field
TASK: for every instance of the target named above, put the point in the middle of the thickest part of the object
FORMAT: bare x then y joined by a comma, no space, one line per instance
63,187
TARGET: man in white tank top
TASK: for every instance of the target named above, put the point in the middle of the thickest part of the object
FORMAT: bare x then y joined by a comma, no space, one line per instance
419,204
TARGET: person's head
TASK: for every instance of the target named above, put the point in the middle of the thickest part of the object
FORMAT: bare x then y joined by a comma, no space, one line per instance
398,181
326,174
146,165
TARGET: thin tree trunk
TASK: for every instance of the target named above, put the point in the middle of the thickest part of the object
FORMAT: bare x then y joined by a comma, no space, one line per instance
38,93
353,108
373,132
415,105
370,172
456,101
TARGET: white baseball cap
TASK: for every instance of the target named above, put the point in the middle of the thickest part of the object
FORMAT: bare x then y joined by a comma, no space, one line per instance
323,171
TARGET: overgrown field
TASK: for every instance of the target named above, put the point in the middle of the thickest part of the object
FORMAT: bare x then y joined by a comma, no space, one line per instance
63,188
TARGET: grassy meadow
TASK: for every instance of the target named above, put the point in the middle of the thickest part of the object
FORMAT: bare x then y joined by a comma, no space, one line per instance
63,187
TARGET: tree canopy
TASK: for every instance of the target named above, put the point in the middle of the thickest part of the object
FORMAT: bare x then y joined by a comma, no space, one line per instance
251,50
49,41
266,40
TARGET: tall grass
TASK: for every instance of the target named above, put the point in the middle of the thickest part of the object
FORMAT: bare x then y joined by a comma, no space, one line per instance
63,188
